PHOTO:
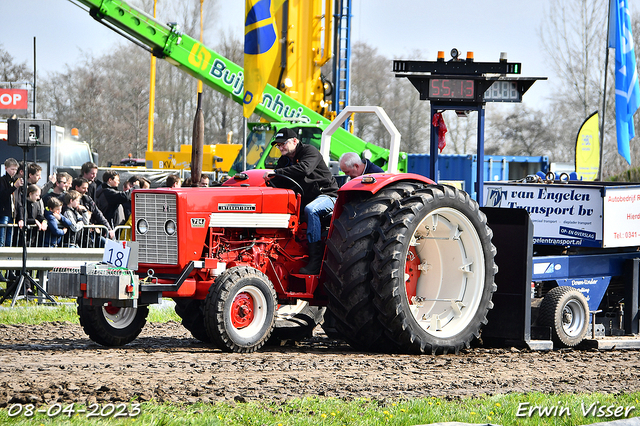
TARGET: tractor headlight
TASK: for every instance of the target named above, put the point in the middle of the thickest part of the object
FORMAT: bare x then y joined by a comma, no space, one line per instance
142,226
170,227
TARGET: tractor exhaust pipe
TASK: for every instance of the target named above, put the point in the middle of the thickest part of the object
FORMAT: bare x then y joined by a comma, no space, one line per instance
197,144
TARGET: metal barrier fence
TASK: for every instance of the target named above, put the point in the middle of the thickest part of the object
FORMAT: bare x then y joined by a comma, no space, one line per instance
90,236
87,247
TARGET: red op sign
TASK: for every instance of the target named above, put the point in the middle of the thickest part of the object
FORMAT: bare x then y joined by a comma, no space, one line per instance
14,99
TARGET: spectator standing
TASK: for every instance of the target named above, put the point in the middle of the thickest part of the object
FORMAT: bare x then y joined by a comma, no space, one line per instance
89,171
34,172
36,221
78,217
68,180
131,183
57,224
58,188
110,200
204,181
95,215
173,181
9,182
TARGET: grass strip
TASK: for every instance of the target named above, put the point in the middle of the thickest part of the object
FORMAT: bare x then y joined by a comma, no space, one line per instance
30,312
510,409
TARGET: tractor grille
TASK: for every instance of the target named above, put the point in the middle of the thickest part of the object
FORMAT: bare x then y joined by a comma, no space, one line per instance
156,245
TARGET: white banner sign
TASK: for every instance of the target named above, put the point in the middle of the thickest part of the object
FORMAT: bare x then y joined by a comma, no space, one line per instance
622,210
565,215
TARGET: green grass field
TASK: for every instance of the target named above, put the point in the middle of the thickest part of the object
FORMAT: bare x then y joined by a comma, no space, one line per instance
512,409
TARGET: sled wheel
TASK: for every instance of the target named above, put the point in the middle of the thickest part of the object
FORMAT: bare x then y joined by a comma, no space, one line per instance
349,255
192,313
434,271
566,311
111,325
239,311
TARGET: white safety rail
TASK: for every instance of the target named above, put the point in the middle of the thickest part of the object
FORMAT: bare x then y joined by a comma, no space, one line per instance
46,258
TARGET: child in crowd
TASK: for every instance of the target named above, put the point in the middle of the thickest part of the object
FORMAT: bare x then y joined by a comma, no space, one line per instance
57,224
36,222
78,217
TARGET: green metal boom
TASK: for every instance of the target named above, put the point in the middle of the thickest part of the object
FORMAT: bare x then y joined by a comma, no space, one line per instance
192,57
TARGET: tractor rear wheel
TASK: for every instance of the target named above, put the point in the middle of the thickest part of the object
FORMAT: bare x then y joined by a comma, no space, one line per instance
434,271
111,325
566,311
349,257
192,313
239,311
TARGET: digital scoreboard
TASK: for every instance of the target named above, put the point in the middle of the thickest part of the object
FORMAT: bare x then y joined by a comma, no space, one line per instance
463,86
465,82
503,91
446,88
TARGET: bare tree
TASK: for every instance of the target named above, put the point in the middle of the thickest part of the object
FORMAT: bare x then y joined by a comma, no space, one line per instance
223,114
107,98
10,71
461,134
373,83
574,36
522,131
369,86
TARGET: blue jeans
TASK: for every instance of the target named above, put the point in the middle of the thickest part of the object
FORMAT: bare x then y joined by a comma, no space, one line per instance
318,207
5,232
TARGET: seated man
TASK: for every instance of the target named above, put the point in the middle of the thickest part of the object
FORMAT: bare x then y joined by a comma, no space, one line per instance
304,164
353,165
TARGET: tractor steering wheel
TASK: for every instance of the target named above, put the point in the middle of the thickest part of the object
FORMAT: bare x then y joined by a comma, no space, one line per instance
292,184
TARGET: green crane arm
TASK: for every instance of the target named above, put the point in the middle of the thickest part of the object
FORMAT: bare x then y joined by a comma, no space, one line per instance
192,57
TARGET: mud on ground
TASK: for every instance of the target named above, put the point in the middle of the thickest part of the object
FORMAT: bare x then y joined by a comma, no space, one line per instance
56,362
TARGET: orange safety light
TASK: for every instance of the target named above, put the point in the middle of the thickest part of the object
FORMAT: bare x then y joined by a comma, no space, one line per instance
469,56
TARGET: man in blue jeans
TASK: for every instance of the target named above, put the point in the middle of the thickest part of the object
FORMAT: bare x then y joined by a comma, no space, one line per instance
304,164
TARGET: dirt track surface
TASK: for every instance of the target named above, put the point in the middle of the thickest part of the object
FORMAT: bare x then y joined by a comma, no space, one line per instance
56,362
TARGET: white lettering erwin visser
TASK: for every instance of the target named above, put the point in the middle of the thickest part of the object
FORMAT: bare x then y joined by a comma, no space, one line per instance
525,409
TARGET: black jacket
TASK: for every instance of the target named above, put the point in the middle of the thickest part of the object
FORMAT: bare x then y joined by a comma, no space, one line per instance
6,190
93,187
110,200
97,218
308,169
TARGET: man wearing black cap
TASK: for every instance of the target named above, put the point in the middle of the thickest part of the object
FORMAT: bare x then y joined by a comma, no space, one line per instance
304,164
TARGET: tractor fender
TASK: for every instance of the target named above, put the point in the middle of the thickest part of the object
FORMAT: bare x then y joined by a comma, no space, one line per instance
381,180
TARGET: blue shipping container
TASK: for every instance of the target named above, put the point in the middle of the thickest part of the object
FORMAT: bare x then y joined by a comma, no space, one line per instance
463,168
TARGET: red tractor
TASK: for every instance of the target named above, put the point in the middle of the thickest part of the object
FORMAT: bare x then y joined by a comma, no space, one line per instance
408,266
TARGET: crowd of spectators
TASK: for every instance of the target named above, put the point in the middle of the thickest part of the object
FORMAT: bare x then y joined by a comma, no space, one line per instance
68,212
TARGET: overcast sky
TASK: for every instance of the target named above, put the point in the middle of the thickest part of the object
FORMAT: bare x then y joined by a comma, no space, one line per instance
63,31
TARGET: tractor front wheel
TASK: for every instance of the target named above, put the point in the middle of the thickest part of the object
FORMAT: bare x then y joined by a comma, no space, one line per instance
239,311
110,325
